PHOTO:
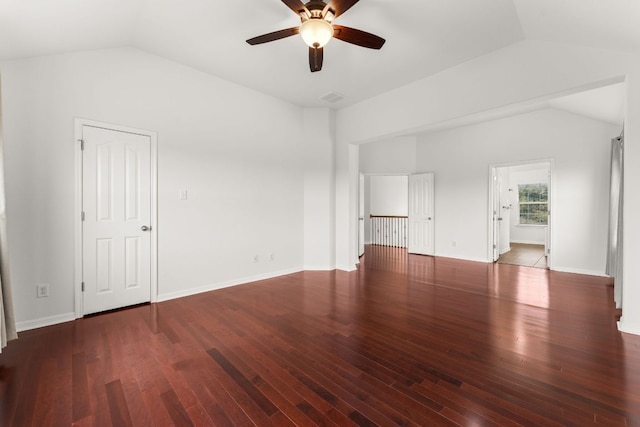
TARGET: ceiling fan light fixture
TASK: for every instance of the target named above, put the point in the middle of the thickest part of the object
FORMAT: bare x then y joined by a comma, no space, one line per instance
317,28
316,32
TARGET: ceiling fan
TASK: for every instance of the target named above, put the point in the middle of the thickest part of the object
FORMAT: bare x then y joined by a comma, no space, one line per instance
317,28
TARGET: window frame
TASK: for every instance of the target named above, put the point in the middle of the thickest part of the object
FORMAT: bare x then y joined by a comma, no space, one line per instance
544,203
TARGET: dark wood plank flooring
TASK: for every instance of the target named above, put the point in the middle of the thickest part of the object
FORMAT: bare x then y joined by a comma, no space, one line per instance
406,340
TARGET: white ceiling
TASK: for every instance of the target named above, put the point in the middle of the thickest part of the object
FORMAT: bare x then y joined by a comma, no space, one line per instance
423,37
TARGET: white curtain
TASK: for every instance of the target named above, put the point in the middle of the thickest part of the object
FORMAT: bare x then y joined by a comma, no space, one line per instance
614,249
7,319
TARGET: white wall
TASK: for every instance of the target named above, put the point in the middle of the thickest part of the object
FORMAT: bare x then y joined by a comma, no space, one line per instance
393,156
319,189
236,151
532,234
579,149
516,76
389,195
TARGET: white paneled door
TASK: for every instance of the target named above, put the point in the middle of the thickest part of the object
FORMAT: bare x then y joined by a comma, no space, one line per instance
116,230
361,216
421,214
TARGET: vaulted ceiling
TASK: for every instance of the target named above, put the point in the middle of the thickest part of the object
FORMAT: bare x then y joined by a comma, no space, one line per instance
423,37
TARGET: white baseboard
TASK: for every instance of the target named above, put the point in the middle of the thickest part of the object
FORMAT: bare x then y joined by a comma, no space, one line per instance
484,260
318,268
528,242
44,321
346,268
628,328
578,271
504,251
227,284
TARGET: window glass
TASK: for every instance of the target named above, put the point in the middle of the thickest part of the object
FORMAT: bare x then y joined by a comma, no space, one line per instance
533,201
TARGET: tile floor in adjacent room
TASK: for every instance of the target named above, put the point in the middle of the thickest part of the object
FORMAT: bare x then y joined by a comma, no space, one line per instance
526,255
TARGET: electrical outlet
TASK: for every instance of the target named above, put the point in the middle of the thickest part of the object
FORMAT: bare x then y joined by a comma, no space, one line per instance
256,258
454,244
272,256
42,290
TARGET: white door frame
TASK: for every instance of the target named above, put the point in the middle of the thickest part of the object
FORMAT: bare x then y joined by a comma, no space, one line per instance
492,196
153,137
495,214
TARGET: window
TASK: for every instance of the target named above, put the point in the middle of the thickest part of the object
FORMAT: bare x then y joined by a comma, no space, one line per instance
533,200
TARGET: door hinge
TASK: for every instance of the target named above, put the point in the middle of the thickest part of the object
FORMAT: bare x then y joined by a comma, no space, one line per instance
82,216
81,144
494,246
82,286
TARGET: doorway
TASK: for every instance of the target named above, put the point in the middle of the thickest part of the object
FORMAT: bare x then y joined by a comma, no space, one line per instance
520,217
116,256
399,211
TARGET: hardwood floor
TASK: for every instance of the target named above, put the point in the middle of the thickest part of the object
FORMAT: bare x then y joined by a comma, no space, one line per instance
406,340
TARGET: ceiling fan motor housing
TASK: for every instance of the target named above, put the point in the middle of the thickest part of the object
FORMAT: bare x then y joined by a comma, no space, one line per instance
316,7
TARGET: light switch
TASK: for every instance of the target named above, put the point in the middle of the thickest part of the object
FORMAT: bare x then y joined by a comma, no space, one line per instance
183,194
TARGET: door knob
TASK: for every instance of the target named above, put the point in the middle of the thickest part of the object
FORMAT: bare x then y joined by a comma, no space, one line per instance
145,228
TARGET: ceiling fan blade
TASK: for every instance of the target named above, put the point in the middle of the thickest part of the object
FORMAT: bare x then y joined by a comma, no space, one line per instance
297,6
276,35
316,55
357,37
340,6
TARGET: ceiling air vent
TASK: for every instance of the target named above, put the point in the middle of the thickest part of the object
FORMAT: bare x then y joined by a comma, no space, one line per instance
332,97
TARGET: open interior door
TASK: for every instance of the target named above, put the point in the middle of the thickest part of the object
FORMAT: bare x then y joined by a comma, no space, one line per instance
547,237
421,214
361,217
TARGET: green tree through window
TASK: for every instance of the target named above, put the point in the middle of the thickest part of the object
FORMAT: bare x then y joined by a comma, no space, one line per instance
533,200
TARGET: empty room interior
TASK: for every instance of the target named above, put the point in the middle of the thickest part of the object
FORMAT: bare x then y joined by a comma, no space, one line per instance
336,212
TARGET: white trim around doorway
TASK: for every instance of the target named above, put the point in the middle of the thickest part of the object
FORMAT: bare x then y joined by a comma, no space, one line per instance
491,198
153,136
